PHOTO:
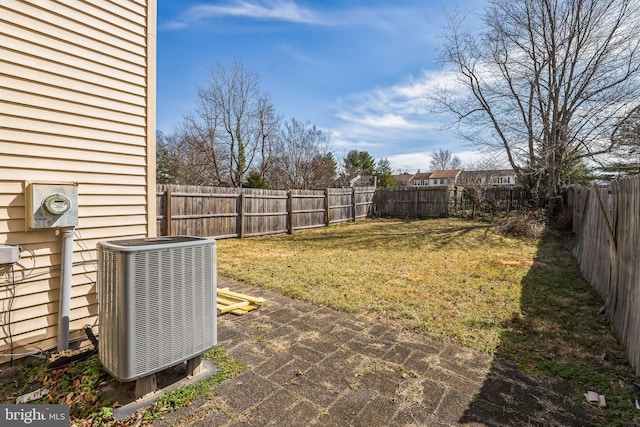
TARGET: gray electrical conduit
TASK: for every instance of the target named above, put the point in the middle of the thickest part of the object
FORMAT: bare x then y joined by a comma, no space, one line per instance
65,288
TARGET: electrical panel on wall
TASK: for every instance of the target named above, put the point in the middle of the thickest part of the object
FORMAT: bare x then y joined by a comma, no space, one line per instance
51,205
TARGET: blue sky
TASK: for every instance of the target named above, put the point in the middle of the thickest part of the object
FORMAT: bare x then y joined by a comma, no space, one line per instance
358,69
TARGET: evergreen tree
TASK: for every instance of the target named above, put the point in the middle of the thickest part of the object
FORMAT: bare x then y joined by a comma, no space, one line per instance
384,173
359,163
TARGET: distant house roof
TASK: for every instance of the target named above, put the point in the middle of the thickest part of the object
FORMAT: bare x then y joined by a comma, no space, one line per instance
441,174
403,179
421,175
363,181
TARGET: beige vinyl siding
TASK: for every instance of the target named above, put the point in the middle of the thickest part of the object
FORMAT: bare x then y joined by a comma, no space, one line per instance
77,104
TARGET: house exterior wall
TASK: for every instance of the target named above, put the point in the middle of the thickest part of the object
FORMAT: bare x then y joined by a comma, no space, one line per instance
505,178
77,104
403,180
444,177
420,179
441,181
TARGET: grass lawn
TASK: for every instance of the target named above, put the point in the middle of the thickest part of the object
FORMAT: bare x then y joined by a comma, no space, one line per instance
517,298
450,279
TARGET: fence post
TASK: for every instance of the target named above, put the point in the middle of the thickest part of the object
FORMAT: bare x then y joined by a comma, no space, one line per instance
354,205
327,206
167,212
241,207
453,191
289,212
455,198
510,200
447,203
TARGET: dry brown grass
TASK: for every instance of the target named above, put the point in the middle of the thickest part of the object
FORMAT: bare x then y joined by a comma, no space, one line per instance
451,279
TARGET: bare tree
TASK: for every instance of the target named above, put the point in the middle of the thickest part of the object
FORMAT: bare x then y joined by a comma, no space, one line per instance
548,82
626,158
444,159
269,124
628,133
203,155
182,159
486,161
304,160
233,128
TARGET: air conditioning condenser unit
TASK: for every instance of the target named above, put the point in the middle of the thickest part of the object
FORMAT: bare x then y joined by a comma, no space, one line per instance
157,303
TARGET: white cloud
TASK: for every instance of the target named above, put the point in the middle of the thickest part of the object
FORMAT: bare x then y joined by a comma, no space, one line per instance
394,122
385,120
412,162
406,102
414,19
274,10
391,115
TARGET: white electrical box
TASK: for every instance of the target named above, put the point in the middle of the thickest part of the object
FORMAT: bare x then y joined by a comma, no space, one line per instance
9,254
51,205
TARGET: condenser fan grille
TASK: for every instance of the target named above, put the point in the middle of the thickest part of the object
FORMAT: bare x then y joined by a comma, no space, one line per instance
157,304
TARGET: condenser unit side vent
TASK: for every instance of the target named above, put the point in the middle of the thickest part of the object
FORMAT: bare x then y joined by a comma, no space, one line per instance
157,304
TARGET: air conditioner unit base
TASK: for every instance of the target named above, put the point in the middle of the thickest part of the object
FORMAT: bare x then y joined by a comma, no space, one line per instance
207,369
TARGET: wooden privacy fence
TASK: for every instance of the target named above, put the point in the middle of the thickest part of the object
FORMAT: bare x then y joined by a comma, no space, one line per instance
223,212
607,246
440,201
500,199
233,212
417,202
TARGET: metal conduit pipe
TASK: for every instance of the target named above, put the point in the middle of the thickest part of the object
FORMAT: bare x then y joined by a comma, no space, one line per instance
65,288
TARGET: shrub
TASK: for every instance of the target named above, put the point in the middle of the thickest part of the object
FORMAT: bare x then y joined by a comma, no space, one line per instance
524,223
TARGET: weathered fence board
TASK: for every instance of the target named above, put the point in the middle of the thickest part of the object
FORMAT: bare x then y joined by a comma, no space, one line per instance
430,202
341,205
264,212
502,199
308,208
441,201
197,211
607,226
626,319
232,212
593,240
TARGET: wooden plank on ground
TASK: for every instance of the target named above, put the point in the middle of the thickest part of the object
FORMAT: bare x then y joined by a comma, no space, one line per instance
227,293
236,303
222,308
